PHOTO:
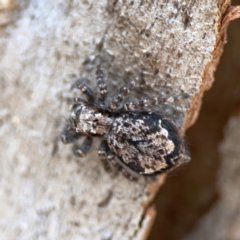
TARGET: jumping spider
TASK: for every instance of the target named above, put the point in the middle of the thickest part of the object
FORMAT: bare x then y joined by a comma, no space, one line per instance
145,142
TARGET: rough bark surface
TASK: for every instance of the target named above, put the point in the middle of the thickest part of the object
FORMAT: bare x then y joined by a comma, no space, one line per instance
45,46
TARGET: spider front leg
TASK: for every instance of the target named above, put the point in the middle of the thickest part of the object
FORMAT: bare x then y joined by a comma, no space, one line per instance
121,96
102,87
82,150
69,135
85,89
145,103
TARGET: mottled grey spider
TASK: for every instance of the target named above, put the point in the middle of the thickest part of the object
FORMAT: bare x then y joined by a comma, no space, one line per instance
144,141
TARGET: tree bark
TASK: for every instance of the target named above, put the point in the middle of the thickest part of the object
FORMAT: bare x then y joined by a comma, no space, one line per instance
172,47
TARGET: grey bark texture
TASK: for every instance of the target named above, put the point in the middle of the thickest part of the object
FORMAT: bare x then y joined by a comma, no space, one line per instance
46,193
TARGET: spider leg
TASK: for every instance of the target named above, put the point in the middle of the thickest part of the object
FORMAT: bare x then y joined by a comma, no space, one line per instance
85,89
102,87
146,102
121,96
77,101
102,154
119,167
69,135
82,150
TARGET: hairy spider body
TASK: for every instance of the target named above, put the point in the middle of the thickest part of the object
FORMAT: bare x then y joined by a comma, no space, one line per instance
146,142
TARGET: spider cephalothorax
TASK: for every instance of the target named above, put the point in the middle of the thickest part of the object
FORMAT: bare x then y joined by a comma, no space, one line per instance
145,142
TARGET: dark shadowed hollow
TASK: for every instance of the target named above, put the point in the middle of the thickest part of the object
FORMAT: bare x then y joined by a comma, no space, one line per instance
190,192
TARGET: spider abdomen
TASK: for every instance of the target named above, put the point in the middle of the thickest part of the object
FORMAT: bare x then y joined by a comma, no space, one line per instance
146,142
